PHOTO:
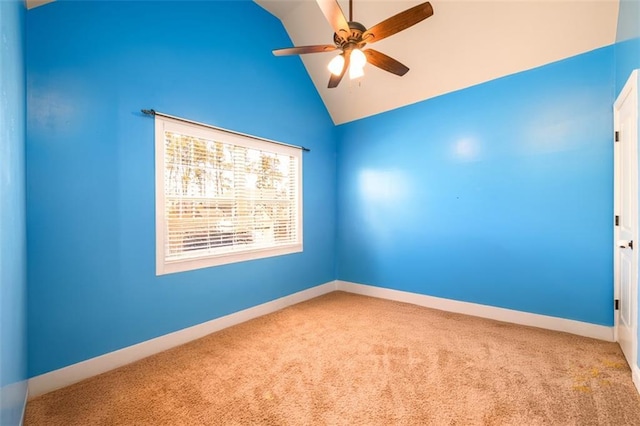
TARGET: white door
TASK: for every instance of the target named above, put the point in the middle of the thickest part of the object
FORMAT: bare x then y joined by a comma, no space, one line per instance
625,114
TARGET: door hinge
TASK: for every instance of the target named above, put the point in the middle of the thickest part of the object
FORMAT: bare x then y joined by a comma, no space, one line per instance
616,304
617,220
617,136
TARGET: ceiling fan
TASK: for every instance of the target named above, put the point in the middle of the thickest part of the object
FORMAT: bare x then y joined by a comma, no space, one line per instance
350,37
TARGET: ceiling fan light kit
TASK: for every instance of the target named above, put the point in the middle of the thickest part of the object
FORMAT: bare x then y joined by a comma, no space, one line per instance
351,37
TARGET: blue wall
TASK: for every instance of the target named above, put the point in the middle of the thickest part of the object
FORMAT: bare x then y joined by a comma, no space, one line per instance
13,279
627,58
91,66
500,194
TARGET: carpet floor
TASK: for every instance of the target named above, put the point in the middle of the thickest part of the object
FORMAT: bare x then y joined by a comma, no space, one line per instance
345,359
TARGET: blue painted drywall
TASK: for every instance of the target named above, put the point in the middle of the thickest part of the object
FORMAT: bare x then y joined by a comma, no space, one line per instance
13,265
91,67
627,58
500,194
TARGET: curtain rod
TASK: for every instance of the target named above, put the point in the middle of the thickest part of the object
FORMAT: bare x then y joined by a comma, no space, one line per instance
162,114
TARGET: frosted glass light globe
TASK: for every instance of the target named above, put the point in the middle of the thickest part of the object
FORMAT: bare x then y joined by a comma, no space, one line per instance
336,64
358,58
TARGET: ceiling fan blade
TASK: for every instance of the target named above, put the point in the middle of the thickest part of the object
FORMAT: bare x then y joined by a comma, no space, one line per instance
397,23
385,62
301,50
332,11
334,80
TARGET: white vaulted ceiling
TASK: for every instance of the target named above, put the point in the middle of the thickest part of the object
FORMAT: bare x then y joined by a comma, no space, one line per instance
463,44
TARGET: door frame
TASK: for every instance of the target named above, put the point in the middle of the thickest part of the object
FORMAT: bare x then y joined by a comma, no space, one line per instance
629,89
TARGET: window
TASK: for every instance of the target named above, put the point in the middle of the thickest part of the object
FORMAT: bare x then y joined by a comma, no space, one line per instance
223,197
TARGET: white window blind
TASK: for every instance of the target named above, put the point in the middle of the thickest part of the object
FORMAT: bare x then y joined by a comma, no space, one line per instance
223,197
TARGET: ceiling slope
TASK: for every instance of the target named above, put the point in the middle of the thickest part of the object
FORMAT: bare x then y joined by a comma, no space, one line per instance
465,43
35,3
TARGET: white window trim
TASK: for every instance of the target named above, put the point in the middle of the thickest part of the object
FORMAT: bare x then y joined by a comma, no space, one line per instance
164,266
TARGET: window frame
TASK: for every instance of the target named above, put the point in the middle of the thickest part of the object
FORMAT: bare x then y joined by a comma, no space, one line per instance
164,266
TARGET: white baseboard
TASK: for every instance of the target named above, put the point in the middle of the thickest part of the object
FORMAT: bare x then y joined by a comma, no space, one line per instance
635,374
74,373
595,331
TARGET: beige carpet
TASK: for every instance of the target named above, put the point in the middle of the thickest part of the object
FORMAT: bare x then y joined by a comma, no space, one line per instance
344,359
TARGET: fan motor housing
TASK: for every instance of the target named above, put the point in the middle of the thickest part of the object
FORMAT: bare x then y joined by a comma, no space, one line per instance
354,37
